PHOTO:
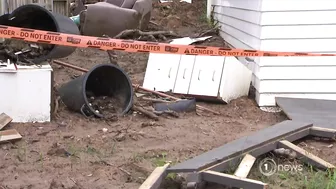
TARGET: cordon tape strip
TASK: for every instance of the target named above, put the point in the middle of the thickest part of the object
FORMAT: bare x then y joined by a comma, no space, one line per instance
40,36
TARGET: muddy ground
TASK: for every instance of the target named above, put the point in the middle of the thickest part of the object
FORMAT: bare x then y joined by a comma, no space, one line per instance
73,152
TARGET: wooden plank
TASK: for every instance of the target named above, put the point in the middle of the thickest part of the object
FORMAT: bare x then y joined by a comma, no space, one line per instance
9,135
323,132
4,120
245,166
154,180
229,163
232,181
243,145
305,156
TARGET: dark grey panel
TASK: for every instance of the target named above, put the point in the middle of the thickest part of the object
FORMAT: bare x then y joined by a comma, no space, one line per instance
320,112
240,146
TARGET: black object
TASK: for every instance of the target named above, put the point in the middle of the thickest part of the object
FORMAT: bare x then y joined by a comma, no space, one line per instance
179,106
36,17
101,80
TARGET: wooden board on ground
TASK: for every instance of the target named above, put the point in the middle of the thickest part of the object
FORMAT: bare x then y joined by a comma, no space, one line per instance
9,135
245,166
323,132
305,156
154,180
4,120
241,146
321,113
232,181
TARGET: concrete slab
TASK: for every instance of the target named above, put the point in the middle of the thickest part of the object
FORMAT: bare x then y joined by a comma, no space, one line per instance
240,146
320,112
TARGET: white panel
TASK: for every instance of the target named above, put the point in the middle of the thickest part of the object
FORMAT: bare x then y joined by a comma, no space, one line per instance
300,17
238,44
161,71
242,36
303,72
184,74
236,79
269,99
302,61
286,5
298,32
247,27
234,41
241,4
299,45
206,76
248,16
27,95
295,86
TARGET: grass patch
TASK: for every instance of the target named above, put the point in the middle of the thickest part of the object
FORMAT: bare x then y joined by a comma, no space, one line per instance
305,178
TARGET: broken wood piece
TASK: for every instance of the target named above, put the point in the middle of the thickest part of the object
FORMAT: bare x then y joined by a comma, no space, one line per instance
305,156
232,181
4,120
154,180
145,112
137,32
168,112
211,31
245,166
136,86
156,100
8,135
323,132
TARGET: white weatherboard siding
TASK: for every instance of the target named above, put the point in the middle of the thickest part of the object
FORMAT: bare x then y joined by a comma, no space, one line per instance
283,25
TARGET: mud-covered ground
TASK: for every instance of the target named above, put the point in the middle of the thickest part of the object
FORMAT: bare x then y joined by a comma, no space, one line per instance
73,152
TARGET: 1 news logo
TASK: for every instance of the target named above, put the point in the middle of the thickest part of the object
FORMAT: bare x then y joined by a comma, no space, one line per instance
269,167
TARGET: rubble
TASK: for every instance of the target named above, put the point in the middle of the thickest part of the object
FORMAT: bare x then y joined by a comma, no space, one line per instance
21,52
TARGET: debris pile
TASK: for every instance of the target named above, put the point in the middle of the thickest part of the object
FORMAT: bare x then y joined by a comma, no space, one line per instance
105,105
9,134
21,52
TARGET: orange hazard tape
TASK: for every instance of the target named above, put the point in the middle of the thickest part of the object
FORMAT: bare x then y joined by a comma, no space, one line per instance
40,36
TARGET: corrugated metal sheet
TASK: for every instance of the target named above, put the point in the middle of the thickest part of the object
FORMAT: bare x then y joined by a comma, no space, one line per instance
59,6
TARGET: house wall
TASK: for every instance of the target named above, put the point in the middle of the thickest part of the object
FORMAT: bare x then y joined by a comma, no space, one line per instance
284,25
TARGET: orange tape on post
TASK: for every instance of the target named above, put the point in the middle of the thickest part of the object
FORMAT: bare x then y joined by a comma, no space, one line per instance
40,36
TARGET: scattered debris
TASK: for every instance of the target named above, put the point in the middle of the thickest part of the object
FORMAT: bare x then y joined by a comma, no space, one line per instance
10,134
285,152
145,36
170,1
156,100
150,124
145,112
105,105
4,120
22,52
178,106
57,150
137,87
167,112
